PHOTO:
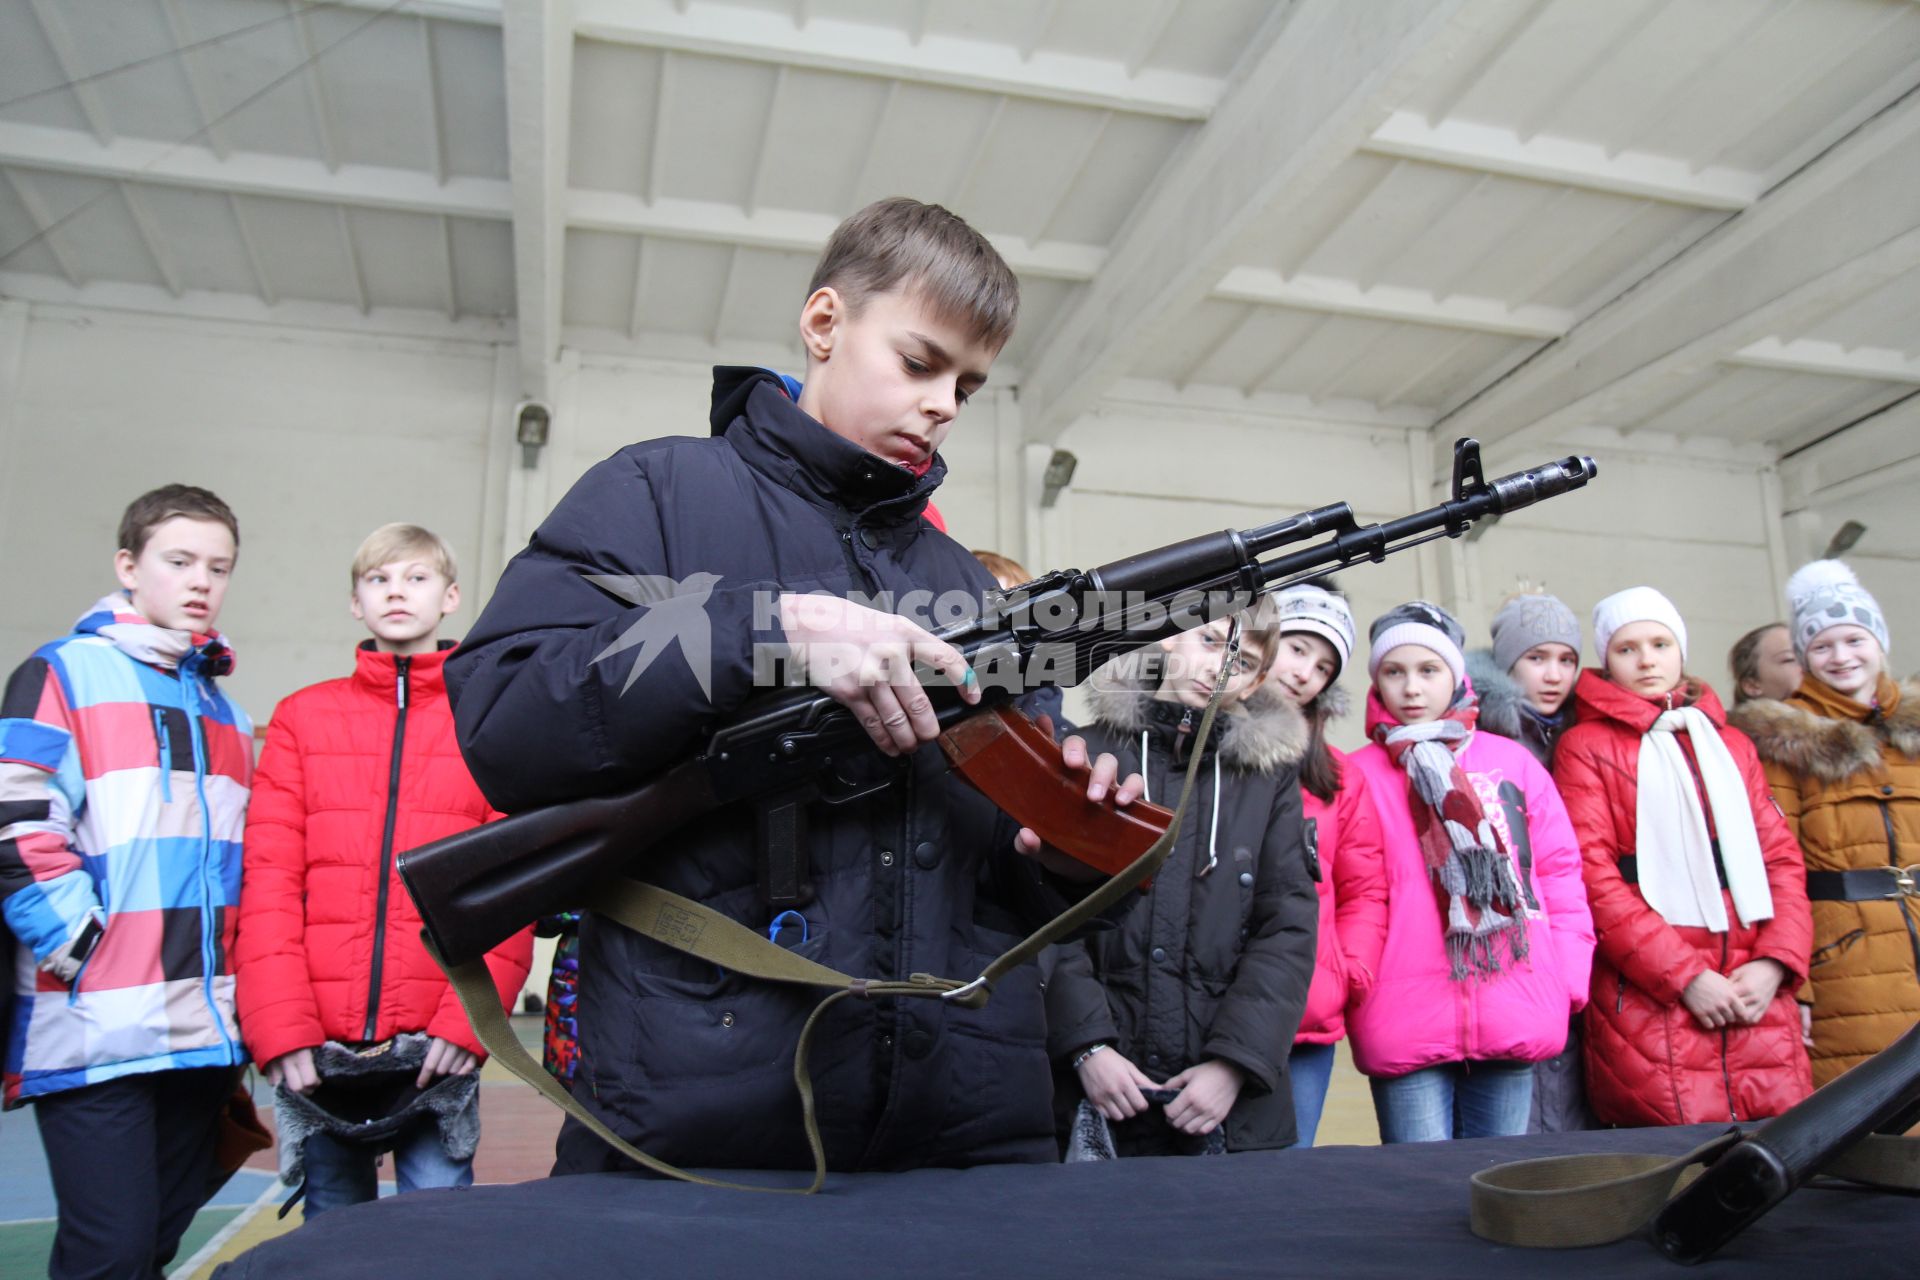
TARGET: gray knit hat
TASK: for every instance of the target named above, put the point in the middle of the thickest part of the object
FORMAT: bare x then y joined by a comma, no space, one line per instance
1826,594
1528,620
1423,623
1317,612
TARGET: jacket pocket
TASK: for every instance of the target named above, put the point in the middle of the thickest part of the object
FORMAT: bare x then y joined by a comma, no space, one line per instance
1835,949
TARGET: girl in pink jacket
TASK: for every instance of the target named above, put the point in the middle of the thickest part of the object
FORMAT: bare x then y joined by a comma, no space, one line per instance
1489,941
1342,835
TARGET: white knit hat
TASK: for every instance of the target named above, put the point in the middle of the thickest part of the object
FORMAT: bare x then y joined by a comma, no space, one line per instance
1635,604
1317,612
1423,623
1826,594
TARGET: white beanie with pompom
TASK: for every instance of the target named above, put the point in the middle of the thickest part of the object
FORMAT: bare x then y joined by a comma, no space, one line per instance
1826,594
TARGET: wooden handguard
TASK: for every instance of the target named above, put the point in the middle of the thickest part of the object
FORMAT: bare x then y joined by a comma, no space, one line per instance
1019,767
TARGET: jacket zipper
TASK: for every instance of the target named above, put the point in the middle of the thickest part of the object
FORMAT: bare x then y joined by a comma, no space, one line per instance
166,755
190,701
1893,860
386,845
1726,1077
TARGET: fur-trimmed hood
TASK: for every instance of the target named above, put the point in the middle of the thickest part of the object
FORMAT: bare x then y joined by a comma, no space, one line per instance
1498,694
1817,733
1260,735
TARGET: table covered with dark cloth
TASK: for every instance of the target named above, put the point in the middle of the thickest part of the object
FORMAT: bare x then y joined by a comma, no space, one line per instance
1345,1211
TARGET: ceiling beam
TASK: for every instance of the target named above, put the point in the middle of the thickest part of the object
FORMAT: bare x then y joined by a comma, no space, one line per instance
789,230
1318,80
1815,355
1842,226
53,29
33,146
537,36
1390,302
1464,144
891,52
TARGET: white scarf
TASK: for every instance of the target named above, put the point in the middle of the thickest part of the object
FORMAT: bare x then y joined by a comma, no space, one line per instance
1675,853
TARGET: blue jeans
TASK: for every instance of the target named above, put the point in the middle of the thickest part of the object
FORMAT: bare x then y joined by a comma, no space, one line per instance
1455,1100
342,1173
1309,1069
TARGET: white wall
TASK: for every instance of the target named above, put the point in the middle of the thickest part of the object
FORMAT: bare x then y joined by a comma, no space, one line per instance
313,438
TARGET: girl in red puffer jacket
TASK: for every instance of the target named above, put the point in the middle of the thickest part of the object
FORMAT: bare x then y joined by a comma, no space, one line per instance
1343,831
1697,888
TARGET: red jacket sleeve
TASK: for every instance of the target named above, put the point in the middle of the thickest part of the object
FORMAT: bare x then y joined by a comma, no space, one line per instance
1632,936
1788,937
1359,882
273,991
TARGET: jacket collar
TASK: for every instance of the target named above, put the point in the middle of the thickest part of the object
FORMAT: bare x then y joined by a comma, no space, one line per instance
753,410
1598,698
112,619
1259,735
380,672
1823,734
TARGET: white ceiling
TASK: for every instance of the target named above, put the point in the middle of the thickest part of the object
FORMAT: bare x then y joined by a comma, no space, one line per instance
1696,217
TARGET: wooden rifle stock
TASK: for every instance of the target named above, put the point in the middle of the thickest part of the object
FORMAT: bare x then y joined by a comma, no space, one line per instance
477,888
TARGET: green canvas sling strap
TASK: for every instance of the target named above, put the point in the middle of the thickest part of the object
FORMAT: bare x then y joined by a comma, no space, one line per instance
1570,1202
687,926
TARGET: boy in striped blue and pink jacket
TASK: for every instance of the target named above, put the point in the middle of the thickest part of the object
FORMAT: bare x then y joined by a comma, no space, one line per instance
124,775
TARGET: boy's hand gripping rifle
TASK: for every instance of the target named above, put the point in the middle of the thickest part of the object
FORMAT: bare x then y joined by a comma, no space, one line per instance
793,747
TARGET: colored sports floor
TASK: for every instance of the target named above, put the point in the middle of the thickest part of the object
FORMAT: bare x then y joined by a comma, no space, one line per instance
517,1130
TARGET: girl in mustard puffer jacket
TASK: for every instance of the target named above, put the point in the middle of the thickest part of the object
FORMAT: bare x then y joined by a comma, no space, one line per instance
1695,883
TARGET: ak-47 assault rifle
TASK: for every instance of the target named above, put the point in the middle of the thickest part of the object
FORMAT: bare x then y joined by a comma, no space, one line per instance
794,747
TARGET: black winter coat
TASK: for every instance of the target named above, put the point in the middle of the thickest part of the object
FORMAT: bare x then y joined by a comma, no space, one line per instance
693,1064
1213,965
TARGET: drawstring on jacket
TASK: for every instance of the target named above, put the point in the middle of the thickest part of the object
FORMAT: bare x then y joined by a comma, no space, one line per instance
1213,831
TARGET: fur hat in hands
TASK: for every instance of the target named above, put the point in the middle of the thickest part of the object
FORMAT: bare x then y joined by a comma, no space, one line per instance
1826,594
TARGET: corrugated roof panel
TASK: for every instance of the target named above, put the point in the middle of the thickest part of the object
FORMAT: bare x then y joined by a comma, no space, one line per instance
1327,349
1259,340
403,259
22,247
922,144
1780,121
682,284
197,231
1130,153
1593,247
1040,302
1284,244
374,89
1526,81
1470,361
765,290
1889,316
278,120
301,248
1181,347
1393,215
482,266
598,293
715,114
472,85
32,79
100,238
801,169
1208,37
146,101
614,124
1773,61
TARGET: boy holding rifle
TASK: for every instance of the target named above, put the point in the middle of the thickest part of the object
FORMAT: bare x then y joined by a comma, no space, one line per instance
750,542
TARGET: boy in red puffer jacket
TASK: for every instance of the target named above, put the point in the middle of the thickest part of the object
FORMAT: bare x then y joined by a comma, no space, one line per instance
333,979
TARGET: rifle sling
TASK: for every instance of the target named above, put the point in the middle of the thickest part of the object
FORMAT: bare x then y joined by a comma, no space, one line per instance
1571,1202
686,925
